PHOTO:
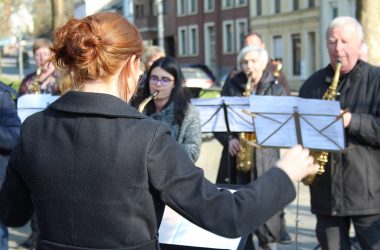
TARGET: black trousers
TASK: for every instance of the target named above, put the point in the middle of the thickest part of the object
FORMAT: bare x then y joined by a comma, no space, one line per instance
333,232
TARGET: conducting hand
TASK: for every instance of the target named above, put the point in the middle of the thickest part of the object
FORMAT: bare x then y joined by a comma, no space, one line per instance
297,163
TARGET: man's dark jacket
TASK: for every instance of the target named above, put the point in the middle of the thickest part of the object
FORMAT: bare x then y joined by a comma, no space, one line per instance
98,174
351,183
265,158
9,126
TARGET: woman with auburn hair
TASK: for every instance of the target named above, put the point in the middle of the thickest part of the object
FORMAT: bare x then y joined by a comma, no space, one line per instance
98,173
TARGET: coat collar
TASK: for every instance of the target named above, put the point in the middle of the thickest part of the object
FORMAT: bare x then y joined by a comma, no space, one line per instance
94,104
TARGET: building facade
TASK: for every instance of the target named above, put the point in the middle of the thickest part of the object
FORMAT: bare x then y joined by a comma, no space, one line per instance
294,32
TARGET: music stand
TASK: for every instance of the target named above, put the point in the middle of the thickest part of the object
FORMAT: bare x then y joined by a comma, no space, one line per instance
224,115
283,121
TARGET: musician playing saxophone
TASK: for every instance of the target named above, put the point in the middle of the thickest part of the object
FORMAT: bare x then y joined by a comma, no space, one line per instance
348,192
45,78
251,62
172,104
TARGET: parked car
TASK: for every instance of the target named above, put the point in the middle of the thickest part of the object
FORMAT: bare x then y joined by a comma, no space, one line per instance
198,77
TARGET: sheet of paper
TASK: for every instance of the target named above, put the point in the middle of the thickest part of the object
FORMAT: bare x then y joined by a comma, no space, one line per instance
275,123
32,103
212,114
177,230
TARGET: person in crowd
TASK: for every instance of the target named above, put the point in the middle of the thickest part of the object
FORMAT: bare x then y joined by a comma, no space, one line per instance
151,54
172,104
45,78
10,125
348,192
273,66
251,63
98,173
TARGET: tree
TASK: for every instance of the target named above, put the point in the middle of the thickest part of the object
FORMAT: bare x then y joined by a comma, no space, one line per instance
368,16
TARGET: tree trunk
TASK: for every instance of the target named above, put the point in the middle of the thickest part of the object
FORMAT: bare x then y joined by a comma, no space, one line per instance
368,15
58,12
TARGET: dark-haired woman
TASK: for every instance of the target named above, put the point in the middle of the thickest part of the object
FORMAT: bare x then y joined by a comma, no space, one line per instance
98,173
172,104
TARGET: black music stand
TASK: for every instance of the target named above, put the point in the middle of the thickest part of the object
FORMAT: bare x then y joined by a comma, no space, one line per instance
283,121
224,115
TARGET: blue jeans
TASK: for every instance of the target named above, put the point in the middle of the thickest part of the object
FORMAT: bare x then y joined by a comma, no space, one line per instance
3,237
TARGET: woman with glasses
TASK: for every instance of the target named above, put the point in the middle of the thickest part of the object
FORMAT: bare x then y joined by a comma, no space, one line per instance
172,104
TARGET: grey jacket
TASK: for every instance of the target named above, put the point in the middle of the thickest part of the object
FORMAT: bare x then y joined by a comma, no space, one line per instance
189,134
98,174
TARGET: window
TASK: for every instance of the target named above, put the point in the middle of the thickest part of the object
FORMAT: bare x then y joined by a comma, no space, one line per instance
139,11
181,7
277,6
334,12
259,7
187,7
209,5
193,7
194,45
241,31
182,38
227,4
277,48
311,3
228,37
240,3
296,54
296,4
151,8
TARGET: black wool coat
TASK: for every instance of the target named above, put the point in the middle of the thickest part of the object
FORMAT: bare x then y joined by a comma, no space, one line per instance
98,174
351,183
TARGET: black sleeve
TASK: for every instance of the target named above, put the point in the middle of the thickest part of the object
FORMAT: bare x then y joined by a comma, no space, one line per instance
183,187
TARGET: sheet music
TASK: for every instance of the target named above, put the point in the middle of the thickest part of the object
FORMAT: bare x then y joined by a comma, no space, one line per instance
31,103
212,114
275,125
177,230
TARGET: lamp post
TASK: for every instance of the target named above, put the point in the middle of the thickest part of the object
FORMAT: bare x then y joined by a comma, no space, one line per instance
160,23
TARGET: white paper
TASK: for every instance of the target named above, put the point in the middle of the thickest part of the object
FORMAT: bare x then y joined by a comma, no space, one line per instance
177,230
212,114
275,125
32,103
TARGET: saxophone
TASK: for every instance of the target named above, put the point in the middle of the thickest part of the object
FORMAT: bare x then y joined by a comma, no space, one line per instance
146,101
246,154
35,87
322,157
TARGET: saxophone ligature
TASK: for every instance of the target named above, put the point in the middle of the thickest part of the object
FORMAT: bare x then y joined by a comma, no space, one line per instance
35,86
146,101
245,157
322,157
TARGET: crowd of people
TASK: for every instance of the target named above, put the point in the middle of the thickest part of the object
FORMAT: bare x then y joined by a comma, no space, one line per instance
96,168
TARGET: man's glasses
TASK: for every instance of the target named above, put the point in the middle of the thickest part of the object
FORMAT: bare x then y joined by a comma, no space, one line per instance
164,81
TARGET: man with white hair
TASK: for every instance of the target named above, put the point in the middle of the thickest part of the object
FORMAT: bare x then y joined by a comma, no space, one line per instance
349,190
252,77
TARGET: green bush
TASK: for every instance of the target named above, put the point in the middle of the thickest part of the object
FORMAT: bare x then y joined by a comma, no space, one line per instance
12,82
